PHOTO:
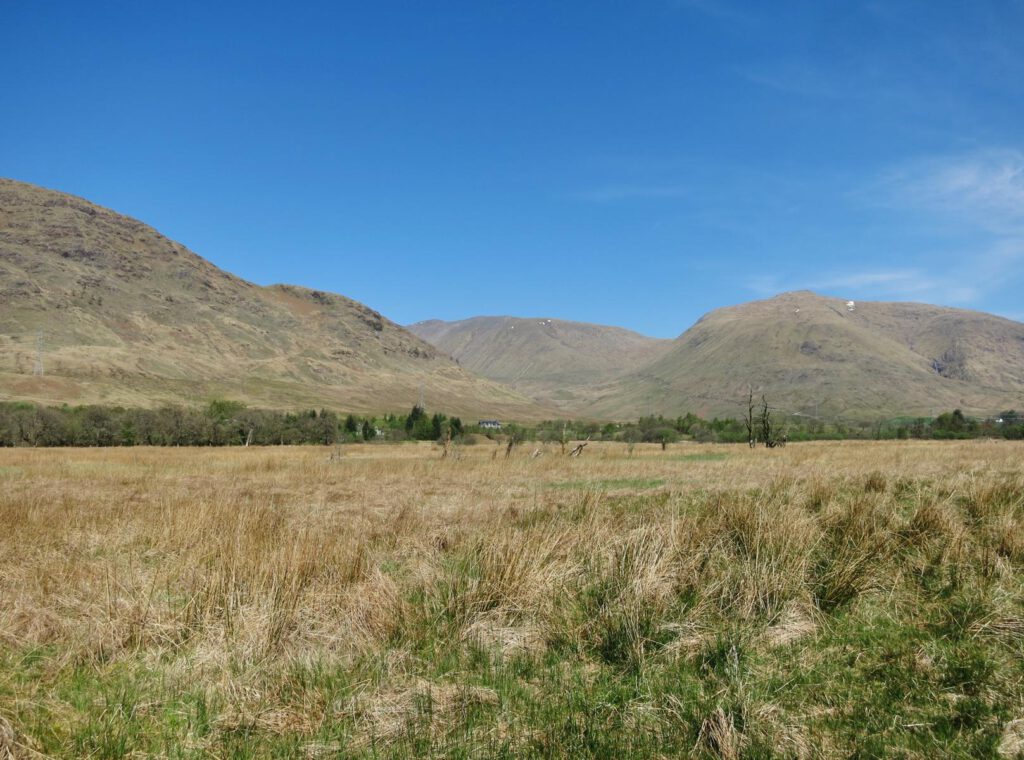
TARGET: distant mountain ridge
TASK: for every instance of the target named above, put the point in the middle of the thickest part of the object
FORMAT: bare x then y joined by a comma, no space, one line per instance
555,361
119,314
127,316
810,354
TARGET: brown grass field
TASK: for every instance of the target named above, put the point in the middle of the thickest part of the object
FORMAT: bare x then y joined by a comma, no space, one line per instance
852,599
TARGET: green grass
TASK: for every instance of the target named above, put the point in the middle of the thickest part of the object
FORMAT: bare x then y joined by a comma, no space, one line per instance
656,633
701,457
885,687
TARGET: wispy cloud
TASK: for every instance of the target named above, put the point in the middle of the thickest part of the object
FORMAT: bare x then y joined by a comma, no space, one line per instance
976,197
984,188
795,79
901,285
982,193
904,284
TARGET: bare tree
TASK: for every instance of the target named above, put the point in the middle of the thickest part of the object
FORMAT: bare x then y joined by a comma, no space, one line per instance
515,437
750,417
769,432
577,451
579,448
766,423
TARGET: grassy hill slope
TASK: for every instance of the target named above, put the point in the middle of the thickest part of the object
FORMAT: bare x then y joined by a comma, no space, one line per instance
554,361
811,354
129,317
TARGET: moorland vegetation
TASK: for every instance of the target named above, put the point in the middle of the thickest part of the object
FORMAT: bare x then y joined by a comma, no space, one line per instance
832,599
231,423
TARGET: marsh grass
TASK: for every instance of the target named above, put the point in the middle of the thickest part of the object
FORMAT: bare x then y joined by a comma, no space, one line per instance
825,600
608,484
701,456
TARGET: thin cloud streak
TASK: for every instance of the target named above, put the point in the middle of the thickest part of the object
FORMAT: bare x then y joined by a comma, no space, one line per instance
977,195
963,279
904,285
985,188
893,285
802,80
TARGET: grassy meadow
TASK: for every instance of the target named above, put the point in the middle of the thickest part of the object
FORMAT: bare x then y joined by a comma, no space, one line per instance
852,599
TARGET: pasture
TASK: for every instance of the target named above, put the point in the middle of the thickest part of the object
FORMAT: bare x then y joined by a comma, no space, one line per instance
825,600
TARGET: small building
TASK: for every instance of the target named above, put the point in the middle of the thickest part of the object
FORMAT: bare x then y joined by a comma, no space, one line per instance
489,424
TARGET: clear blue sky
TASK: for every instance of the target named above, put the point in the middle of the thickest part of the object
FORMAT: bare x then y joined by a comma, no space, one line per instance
632,163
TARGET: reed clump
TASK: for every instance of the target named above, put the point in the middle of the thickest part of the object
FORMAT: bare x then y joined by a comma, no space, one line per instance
820,600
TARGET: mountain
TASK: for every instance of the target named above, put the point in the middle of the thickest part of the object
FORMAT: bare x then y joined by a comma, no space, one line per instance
816,355
119,314
556,362
123,315
807,353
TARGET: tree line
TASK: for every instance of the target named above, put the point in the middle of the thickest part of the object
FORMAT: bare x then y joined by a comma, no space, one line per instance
229,423
219,423
665,430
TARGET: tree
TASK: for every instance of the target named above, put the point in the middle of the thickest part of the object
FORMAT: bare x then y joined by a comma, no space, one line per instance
222,410
953,425
417,414
768,432
665,436
516,435
749,420
631,436
325,428
685,423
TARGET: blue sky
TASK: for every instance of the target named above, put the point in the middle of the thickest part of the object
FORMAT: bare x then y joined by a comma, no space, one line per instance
631,163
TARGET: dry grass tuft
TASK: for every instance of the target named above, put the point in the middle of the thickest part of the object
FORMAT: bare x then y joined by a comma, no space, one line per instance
796,622
718,734
266,602
934,520
855,539
1008,535
14,746
376,612
323,750
784,738
271,720
1011,743
876,482
1007,627
819,493
493,631
386,716
757,546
